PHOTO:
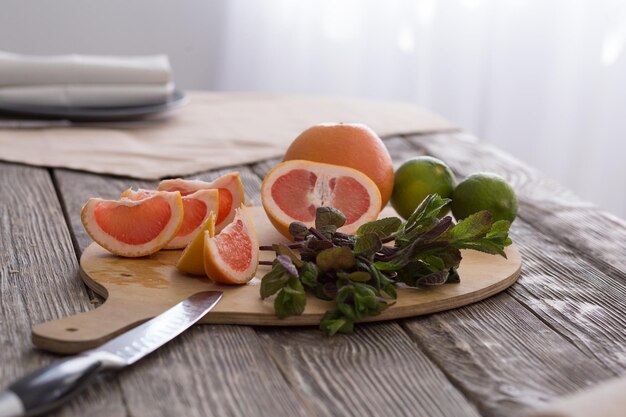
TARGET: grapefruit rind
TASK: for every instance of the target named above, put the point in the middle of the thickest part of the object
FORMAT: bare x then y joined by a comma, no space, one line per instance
347,144
281,220
117,247
230,183
191,260
210,198
216,267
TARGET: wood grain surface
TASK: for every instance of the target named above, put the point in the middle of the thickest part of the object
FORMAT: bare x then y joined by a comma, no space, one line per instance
546,204
77,193
202,373
575,276
39,281
138,289
559,329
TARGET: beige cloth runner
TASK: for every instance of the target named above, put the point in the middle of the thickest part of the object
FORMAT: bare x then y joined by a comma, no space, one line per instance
214,130
604,400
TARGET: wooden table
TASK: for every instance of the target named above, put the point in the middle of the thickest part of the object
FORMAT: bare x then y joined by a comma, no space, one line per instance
561,328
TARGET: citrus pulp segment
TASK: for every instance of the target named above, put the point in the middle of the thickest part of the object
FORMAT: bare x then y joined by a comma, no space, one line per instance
293,190
230,189
196,207
347,144
134,228
232,256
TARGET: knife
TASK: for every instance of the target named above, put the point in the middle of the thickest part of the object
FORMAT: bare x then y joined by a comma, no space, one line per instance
49,387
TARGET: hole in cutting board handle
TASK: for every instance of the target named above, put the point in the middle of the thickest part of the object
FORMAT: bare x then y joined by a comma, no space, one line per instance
71,329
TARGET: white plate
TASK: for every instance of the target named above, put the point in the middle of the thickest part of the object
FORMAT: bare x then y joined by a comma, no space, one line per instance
85,114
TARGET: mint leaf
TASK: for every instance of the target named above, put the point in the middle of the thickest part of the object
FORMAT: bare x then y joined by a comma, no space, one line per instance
286,263
298,230
382,227
427,211
340,257
367,244
308,274
474,226
357,276
291,299
282,249
493,242
274,281
329,216
334,322
484,245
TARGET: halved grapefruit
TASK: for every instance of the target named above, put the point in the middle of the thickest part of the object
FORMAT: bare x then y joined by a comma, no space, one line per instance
293,190
192,259
232,256
197,207
230,189
134,228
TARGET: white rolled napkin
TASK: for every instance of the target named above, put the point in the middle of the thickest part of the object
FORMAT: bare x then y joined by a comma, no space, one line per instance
18,69
93,95
84,80
605,400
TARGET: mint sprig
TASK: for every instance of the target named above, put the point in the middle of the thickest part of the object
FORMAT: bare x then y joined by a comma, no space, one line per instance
359,272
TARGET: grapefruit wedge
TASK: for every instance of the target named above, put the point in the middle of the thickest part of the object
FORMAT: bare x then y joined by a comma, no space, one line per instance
293,190
230,190
232,256
134,228
196,206
192,259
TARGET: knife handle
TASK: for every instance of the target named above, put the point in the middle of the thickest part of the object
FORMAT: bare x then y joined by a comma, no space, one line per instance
48,387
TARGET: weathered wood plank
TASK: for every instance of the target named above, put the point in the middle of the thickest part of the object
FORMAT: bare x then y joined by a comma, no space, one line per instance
377,371
478,378
479,388
39,281
209,370
401,150
584,303
263,167
501,357
574,276
544,203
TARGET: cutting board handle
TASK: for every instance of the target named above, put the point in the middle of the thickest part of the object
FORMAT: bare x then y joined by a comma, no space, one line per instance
73,334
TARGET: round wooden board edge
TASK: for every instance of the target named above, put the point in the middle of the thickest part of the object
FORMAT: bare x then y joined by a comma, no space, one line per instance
404,312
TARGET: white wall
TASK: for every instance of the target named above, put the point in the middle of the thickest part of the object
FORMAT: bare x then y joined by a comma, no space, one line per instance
542,79
188,31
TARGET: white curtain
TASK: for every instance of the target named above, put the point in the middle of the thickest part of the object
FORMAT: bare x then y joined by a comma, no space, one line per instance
542,79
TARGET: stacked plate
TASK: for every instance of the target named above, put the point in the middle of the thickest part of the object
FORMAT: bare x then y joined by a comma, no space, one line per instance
86,88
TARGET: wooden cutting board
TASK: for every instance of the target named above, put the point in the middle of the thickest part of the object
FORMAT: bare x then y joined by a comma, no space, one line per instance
137,289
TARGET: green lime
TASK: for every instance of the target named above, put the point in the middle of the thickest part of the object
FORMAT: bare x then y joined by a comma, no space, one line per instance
417,178
484,191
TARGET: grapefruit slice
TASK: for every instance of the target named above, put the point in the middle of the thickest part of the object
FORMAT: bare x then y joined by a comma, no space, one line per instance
293,190
196,206
192,259
230,189
134,228
232,257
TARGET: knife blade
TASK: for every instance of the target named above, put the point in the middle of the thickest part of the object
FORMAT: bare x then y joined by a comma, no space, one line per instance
48,387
